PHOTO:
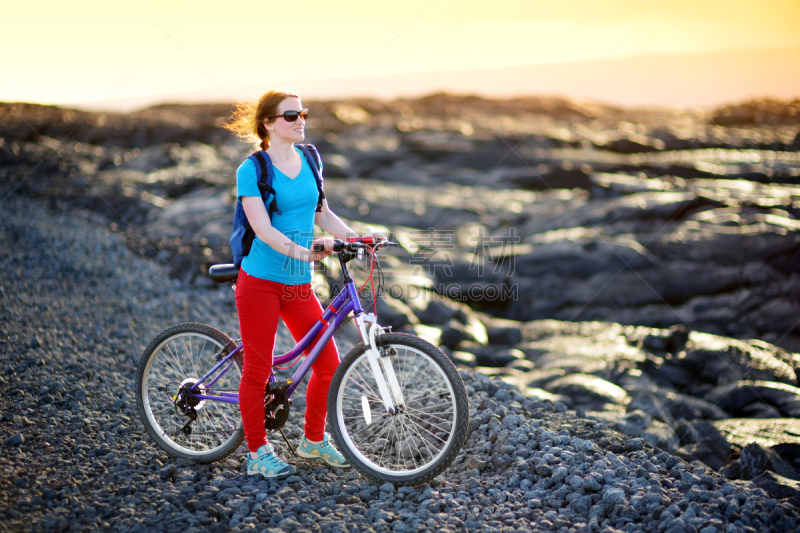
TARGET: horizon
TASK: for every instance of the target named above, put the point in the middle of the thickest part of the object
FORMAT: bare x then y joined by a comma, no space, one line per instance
94,55
385,88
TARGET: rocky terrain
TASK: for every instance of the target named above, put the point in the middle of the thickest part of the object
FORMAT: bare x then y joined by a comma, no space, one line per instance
625,282
642,217
78,306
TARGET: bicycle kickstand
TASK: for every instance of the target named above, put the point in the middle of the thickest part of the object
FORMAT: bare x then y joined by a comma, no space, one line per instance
289,444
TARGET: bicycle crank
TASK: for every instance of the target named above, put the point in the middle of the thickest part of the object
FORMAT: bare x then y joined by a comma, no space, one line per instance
276,404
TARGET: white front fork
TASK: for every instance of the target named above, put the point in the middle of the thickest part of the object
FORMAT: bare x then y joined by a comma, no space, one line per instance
393,400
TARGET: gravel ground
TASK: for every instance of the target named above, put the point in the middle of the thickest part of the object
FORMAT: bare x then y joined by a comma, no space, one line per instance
78,308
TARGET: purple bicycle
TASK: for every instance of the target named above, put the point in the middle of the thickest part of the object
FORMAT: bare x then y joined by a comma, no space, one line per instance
397,407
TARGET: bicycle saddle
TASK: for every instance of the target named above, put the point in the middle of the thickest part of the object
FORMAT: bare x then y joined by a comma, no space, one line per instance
223,273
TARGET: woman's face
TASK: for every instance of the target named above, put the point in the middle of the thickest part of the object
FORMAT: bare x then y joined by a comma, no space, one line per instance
285,130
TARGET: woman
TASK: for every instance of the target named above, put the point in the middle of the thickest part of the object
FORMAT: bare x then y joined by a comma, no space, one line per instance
275,278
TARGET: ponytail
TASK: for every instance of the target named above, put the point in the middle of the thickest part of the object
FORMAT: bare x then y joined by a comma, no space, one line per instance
247,121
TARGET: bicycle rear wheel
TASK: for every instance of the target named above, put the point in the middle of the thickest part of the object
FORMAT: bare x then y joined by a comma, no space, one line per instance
418,442
176,359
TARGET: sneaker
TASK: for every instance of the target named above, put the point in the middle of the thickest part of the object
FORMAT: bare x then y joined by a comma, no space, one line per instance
323,451
268,464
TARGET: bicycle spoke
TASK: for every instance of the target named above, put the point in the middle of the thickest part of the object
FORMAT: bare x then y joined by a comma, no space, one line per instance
393,428
430,374
427,406
187,350
385,415
407,439
403,373
175,359
366,387
172,363
194,363
180,358
376,398
425,413
410,440
376,437
433,434
222,414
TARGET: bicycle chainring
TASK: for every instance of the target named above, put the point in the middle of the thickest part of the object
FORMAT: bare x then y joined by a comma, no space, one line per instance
276,410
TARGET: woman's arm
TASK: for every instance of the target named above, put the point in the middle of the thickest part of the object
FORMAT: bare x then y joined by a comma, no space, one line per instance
259,220
328,221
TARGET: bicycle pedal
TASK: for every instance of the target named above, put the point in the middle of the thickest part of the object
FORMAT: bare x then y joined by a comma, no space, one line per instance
279,385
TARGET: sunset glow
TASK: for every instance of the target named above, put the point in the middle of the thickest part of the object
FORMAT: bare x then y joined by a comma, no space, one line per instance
98,53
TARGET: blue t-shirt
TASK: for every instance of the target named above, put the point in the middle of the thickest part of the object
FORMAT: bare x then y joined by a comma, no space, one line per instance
297,199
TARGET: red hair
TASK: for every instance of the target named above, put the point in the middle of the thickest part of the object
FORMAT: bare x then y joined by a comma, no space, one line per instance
247,121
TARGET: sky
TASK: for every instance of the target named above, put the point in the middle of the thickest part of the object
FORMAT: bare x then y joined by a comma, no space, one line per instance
119,53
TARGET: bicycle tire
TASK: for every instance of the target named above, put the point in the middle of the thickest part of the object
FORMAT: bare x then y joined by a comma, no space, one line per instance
180,353
415,445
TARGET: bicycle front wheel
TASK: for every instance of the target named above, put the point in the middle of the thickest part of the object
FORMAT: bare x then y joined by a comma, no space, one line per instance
418,442
174,361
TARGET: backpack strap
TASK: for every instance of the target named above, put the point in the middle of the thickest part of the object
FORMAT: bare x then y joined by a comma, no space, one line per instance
313,158
265,175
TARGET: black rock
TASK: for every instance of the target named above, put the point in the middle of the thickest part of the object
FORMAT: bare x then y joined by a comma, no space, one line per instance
732,470
504,336
653,406
777,486
735,396
462,358
673,341
395,313
499,358
708,450
758,410
708,430
789,452
690,408
634,445
440,312
755,460
686,433
588,389
167,472
633,145
455,332
15,440
559,178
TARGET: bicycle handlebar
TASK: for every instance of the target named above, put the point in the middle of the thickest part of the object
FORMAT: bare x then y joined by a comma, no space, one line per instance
353,246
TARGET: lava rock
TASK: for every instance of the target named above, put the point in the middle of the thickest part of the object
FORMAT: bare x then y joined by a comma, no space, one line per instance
777,486
587,389
735,396
15,440
754,460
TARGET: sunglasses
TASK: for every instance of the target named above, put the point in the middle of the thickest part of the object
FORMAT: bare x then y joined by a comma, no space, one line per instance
291,116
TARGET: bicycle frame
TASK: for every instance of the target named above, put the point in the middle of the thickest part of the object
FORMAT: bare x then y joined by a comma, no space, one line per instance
332,318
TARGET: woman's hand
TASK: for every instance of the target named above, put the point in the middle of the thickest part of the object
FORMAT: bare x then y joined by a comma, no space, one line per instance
326,243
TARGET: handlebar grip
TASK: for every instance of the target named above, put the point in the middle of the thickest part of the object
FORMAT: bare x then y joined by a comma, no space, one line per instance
369,239
352,245
317,248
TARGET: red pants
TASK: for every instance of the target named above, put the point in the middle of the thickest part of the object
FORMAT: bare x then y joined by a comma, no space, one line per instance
260,303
